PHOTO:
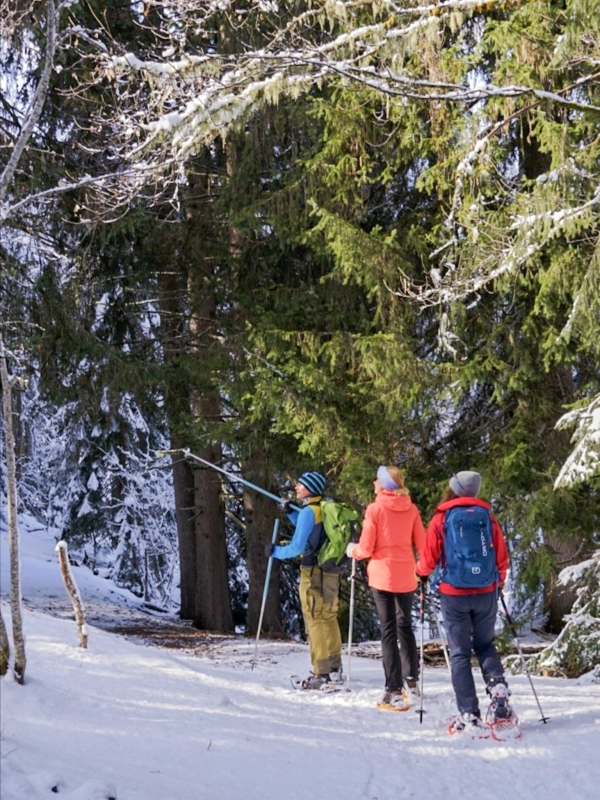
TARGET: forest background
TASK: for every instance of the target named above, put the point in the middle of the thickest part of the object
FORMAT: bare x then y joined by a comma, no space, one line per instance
304,235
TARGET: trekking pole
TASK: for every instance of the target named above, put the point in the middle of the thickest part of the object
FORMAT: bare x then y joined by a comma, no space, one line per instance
351,619
235,478
265,591
420,711
543,719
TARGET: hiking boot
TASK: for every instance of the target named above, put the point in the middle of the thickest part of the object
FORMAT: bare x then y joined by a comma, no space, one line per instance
315,682
491,683
467,721
500,707
395,699
336,675
410,691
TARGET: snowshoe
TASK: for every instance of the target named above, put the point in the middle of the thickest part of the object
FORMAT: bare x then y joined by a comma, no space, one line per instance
469,724
320,683
505,730
500,717
336,675
410,692
499,708
504,727
394,701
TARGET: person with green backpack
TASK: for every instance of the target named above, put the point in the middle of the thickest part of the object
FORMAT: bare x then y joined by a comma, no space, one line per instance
319,585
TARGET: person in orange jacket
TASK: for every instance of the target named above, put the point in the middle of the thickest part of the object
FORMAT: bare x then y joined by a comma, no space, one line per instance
392,530
469,612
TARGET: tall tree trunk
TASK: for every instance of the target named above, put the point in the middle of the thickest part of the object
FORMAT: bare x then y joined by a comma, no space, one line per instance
213,601
191,349
172,284
212,609
183,488
13,528
260,513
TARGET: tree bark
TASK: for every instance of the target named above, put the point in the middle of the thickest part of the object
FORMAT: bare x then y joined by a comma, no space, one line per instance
4,647
172,283
188,309
260,513
213,601
13,528
183,489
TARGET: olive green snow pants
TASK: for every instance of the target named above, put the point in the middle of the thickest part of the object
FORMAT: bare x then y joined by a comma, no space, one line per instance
319,596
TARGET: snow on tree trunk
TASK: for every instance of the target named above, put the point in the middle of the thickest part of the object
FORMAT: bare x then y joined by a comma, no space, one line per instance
72,591
4,647
13,528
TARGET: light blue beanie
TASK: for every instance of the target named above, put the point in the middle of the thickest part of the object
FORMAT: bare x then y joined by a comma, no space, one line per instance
386,479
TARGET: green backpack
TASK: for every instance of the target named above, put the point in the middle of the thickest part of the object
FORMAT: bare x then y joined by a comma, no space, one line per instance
340,523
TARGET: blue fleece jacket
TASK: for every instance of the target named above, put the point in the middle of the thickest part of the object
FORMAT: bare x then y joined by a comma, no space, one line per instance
304,521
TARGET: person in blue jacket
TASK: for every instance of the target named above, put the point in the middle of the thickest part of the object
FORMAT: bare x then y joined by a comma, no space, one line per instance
319,589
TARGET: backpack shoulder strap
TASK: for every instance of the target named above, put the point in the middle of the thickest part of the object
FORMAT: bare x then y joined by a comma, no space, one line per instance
317,506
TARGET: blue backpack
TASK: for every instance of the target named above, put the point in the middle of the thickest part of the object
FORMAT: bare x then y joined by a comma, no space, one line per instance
469,558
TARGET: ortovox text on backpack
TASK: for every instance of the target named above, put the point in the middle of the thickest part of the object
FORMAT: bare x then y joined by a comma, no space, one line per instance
340,523
468,557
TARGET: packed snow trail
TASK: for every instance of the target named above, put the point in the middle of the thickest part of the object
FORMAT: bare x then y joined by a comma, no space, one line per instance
137,722
158,725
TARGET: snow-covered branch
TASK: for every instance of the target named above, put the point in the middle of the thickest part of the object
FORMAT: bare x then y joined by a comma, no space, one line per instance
137,177
226,88
527,235
584,461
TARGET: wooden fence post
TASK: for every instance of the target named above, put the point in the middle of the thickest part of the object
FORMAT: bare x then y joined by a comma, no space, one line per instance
72,591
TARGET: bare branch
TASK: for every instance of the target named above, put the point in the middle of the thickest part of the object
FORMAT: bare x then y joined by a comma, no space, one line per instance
35,108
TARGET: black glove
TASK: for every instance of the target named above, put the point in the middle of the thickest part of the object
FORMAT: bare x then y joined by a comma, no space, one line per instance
421,579
269,549
284,505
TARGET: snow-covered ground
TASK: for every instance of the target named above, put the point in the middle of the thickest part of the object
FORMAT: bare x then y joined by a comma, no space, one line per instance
135,722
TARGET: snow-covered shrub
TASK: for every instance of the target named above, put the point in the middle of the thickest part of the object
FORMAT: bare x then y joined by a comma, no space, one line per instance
576,650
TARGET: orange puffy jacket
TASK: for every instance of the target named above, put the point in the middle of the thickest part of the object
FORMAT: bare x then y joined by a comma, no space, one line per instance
391,530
